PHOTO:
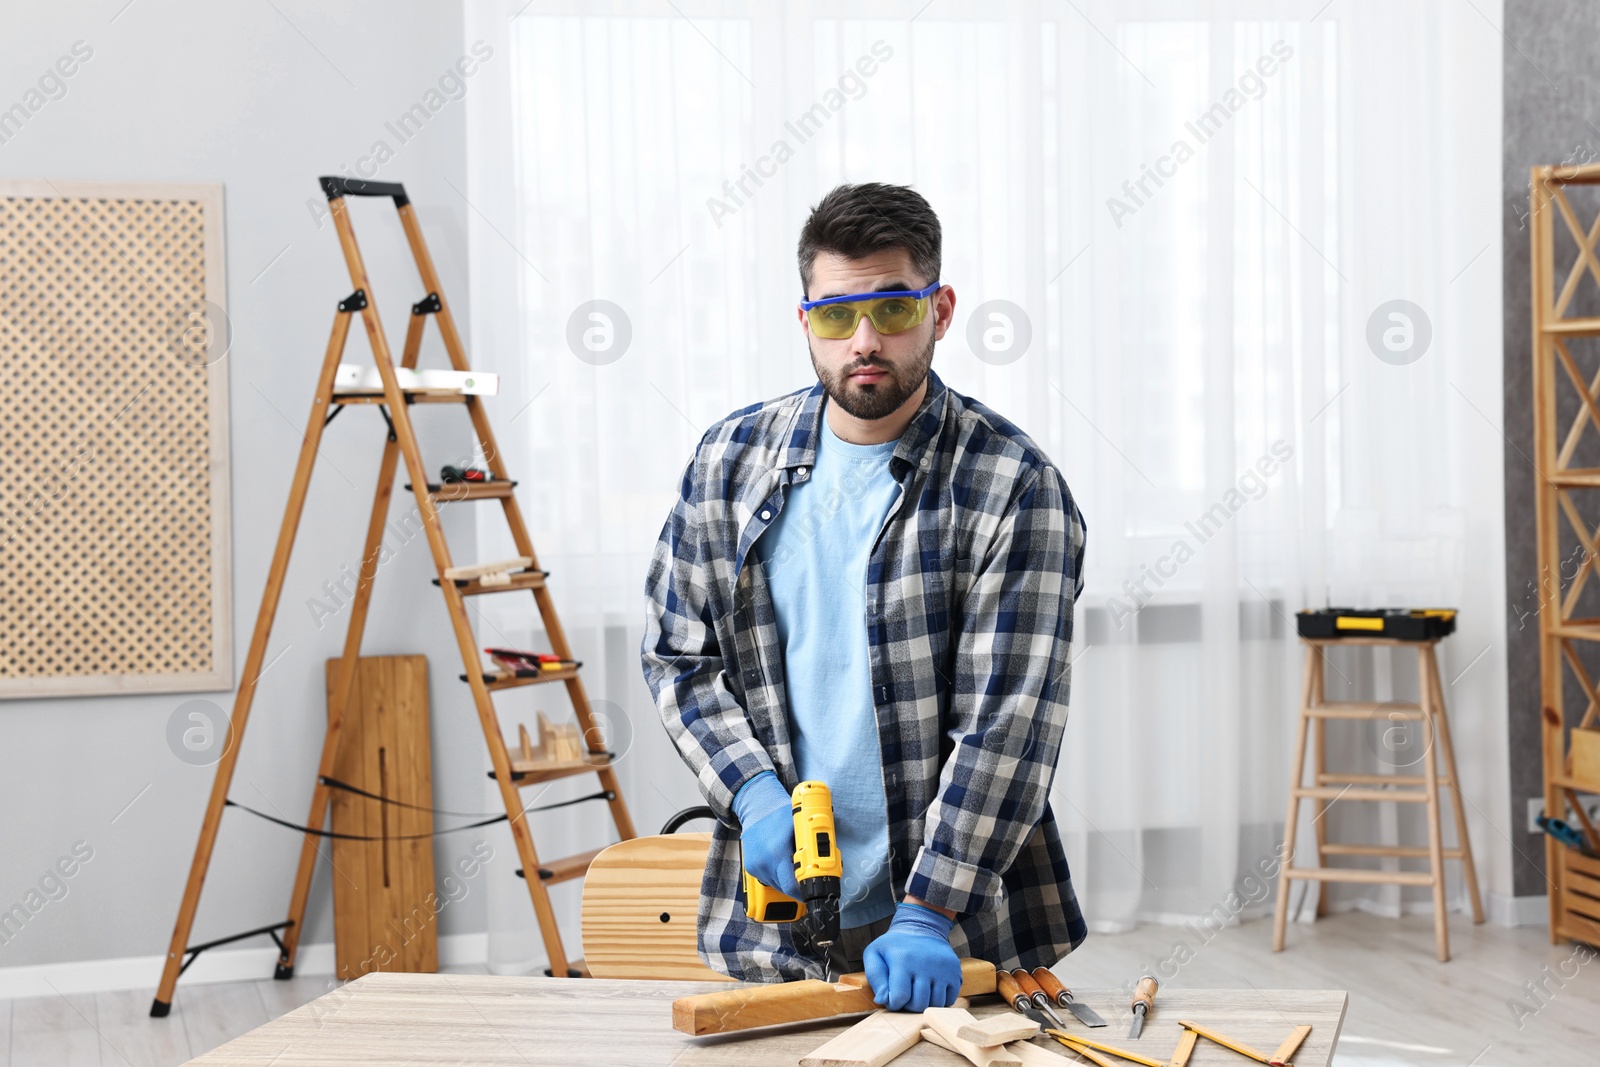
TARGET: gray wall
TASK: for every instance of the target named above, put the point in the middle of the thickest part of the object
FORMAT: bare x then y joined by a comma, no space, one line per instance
262,98
1552,115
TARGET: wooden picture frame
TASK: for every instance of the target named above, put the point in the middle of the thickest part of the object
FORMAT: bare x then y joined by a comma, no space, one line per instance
115,544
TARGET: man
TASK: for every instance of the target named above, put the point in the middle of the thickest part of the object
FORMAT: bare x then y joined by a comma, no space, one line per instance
870,583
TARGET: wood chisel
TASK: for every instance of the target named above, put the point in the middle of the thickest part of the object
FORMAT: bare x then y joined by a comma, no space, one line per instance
1035,995
1013,994
1063,996
1144,998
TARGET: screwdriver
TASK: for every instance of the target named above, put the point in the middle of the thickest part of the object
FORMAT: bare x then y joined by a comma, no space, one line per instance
1063,996
1013,994
1144,998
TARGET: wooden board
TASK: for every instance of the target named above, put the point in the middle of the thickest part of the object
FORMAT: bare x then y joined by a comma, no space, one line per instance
1586,758
483,1020
747,1007
947,1023
872,1042
114,522
640,904
385,905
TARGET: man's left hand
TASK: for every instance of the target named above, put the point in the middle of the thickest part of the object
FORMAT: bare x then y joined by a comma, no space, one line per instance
912,966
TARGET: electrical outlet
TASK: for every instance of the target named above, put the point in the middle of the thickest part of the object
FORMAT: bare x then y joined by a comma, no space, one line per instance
1591,804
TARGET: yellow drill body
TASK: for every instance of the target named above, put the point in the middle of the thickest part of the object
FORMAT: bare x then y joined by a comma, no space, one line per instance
818,869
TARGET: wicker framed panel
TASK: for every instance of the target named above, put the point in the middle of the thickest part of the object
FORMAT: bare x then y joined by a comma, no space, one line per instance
115,571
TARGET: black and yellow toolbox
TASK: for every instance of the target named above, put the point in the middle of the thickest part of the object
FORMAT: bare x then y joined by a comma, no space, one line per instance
1403,624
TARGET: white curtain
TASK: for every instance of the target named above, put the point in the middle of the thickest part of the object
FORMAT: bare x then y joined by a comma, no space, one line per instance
1190,210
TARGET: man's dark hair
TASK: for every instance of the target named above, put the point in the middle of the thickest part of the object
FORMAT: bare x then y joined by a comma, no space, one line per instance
855,221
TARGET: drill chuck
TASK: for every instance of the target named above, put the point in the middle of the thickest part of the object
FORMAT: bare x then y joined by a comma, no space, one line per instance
821,894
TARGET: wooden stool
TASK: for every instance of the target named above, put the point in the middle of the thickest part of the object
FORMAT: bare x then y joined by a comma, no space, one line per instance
1383,788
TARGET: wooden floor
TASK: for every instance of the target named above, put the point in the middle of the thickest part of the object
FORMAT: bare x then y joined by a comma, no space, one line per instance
1404,1007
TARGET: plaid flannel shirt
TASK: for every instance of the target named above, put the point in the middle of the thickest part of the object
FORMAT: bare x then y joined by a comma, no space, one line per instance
969,598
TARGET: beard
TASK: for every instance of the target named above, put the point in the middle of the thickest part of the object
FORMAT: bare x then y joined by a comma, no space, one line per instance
874,401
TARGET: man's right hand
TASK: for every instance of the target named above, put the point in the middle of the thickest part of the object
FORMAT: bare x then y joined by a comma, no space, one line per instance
767,835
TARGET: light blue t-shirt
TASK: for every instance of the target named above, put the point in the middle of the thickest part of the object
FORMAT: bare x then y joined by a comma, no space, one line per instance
815,558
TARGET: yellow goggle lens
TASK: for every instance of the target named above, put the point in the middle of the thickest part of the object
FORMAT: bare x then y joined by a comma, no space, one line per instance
890,314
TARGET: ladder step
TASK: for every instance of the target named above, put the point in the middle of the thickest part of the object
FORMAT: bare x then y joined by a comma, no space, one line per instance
415,398
1362,710
1379,779
1328,792
451,491
566,869
1342,874
521,580
507,680
1403,851
533,772
354,379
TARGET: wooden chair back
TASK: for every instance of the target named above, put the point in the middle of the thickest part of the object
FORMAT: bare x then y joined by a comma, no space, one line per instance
640,900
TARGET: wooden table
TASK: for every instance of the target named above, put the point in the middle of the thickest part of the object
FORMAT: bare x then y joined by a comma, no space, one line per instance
477,1019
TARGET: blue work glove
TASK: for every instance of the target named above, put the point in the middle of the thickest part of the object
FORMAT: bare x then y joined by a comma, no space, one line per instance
766,836
912,966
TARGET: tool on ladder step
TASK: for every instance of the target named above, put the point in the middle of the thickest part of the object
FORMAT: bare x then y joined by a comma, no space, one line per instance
529,664
393,386
1405,624
1144,998
449,474
1063,996
480,570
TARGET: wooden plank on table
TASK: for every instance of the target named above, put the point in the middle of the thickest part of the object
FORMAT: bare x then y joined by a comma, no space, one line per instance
998,1029
872,1042
941,1031
948,1024
787,1002
384,913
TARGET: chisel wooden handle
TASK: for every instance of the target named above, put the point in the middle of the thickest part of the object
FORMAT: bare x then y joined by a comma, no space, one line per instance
1145,992
1052,985
1025,982
1010,992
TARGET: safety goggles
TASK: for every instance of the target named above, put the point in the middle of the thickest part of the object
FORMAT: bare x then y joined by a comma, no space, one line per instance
836,317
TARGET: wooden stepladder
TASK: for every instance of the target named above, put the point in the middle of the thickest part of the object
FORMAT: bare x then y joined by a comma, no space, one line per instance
395,398
1330,787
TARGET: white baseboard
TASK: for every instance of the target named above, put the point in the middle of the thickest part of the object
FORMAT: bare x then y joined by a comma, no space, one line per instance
213,965
1517,911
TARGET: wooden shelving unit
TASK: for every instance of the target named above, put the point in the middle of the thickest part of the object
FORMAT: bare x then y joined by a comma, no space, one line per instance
1565,320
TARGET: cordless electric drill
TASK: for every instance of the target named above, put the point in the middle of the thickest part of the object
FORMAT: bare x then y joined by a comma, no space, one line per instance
817,867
